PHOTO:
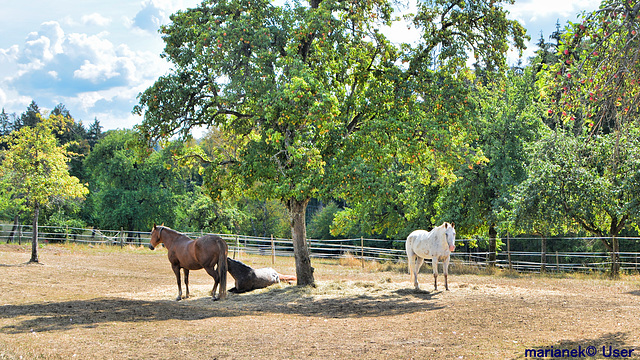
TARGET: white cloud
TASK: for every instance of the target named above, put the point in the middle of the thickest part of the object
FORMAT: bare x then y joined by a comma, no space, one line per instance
532,11
150,17
10,54
95,19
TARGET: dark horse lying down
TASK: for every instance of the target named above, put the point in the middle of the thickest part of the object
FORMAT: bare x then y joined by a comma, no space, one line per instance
248,278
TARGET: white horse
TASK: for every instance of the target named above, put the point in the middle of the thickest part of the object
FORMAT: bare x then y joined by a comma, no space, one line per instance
436,244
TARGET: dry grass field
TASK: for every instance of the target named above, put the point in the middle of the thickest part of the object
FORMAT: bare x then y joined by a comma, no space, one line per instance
110,303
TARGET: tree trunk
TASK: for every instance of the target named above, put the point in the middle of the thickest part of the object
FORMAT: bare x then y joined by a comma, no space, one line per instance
34,240
304,271
492,245
615,257
14,229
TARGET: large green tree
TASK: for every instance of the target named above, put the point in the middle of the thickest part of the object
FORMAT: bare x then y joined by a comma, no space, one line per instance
35,169
312,88
509,119
584,174
129,191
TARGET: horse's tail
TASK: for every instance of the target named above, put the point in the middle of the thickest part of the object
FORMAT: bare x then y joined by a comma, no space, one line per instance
222,268
287,278
408,246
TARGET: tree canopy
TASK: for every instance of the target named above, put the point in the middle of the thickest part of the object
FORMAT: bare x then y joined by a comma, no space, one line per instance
34,169
312,88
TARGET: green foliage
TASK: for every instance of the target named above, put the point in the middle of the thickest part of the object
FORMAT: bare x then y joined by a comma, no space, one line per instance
320,224
318,93
595,83
34,167
479,27
200,213
583,174
573,184
264,218
129,191
510,119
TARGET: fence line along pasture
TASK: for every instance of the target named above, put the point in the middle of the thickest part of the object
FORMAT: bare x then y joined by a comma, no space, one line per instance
523,254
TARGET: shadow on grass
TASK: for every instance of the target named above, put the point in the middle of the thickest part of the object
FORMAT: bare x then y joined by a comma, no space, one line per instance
60,316
602,347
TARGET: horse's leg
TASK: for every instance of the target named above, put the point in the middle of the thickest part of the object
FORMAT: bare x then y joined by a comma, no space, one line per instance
434,262
416,269
176,270
446,272
412,260
216,279
186,282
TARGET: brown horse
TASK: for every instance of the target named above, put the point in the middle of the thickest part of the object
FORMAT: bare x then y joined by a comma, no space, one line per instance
208,252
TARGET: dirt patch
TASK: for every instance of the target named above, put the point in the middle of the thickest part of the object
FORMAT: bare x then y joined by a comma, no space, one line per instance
112,303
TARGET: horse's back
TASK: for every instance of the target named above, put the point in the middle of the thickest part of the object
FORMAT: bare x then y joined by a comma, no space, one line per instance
209,248
424,243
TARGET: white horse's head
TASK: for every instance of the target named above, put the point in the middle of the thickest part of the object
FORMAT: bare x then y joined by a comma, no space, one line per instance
450,235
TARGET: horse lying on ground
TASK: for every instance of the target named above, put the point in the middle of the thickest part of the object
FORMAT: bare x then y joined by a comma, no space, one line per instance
208,252
436,244
248,278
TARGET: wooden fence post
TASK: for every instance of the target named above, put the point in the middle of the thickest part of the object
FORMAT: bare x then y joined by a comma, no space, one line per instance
509,252
543,255
362,250
273,251
121,237
557,262
237,247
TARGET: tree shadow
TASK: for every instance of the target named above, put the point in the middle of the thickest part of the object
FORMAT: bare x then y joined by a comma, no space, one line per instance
634,292
617,340
60,316
28,263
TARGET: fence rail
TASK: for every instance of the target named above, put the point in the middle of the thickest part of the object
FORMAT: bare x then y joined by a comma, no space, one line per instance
375,249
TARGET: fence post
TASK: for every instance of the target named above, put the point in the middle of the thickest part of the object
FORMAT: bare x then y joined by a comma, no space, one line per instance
636,261
509,252
121,237
237,247
273,251
557,262
362,250
543,255
66,234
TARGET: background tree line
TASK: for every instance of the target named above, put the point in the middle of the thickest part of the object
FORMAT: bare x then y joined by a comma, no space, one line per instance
320,127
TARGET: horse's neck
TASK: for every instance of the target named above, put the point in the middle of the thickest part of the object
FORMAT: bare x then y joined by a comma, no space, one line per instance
236,267
171,237
439,233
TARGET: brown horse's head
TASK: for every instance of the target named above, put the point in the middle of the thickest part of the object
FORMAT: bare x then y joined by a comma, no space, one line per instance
155,236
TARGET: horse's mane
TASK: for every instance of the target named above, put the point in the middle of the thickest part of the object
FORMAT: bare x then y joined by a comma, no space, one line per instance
172,231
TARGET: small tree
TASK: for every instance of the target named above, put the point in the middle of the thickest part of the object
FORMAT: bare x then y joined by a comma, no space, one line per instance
34,169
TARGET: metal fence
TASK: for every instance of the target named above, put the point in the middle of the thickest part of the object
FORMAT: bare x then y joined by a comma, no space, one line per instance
364,249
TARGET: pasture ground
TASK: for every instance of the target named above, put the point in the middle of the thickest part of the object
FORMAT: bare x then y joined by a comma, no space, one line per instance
110,303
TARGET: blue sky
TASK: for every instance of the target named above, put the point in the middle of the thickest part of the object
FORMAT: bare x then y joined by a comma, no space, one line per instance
96,56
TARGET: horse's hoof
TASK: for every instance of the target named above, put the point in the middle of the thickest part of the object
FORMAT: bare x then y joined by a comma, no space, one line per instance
213,298
178,298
